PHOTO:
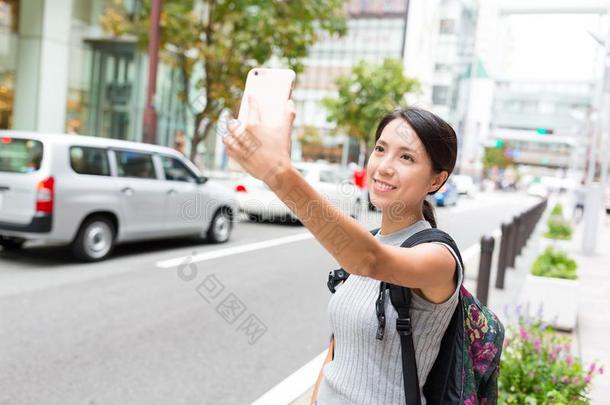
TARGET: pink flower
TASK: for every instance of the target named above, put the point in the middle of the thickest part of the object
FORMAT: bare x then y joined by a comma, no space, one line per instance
569,360
537,345
523,333
588,379
601,370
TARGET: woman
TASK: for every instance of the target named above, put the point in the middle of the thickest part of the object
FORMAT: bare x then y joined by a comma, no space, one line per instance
415,151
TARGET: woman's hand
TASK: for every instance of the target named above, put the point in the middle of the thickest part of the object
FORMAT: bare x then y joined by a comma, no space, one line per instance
260,149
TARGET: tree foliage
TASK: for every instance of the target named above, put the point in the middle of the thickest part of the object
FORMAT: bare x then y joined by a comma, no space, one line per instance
368,93
215,43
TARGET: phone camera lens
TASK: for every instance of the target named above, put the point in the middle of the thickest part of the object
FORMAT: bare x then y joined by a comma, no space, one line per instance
256,73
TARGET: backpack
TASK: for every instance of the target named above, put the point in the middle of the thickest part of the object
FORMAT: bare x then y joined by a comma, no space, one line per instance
467,366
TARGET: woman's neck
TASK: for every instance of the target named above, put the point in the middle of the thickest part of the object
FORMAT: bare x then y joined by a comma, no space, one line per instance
391,222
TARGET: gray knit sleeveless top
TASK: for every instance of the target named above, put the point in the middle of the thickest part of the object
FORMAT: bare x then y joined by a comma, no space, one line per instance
369,371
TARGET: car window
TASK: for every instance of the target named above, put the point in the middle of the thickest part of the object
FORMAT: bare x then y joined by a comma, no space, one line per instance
86,160
175,170
328,176
135,164
20,155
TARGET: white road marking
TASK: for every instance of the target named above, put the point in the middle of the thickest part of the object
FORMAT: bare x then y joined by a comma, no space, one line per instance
295,385
165,264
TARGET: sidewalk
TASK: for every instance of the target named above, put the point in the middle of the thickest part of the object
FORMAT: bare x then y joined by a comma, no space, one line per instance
593,330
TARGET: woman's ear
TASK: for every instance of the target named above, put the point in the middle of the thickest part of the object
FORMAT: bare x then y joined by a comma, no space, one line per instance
438,180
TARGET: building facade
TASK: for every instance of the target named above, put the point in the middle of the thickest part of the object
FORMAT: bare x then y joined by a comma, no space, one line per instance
376,30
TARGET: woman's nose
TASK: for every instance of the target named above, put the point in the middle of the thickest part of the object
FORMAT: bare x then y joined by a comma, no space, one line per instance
386,167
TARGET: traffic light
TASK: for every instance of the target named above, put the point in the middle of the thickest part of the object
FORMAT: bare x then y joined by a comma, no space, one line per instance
499,143
544,131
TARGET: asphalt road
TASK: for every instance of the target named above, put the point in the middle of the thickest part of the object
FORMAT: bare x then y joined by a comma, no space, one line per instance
223,329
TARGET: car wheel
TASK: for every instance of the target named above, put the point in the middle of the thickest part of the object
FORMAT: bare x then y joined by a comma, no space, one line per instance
94,240
11,245
220,227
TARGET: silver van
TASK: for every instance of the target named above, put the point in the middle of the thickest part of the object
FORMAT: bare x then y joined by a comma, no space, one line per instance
92,193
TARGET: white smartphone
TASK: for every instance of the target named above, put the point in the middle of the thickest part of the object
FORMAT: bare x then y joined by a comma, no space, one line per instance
271,89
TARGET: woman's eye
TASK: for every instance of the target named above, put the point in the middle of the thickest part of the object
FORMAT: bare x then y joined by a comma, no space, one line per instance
378,148
407,157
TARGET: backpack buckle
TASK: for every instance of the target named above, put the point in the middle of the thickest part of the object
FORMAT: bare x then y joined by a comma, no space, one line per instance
334,278
403,326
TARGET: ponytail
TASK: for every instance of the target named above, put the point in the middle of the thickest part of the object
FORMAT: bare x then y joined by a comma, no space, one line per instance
428,212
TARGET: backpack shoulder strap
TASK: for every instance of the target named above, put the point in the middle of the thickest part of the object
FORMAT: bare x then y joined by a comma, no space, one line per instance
401,301
337,276
433,235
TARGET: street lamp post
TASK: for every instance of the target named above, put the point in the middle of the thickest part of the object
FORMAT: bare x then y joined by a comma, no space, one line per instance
150,115
595,191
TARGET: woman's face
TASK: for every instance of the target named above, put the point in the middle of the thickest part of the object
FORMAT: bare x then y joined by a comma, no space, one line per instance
399,159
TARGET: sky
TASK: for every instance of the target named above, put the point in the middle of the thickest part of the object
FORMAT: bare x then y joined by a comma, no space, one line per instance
554,47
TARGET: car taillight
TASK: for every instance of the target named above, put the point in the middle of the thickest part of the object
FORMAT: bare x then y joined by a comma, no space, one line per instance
241,188
6,139
44,196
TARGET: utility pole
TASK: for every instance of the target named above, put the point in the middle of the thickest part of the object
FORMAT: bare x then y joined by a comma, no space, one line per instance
595,191
150,115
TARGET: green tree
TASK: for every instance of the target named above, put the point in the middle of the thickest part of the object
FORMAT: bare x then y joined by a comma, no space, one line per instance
215,43
496,157
364,96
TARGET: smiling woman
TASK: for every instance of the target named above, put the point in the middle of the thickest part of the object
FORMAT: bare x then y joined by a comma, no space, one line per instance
414,154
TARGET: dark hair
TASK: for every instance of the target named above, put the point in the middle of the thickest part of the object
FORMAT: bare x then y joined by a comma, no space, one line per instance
436,135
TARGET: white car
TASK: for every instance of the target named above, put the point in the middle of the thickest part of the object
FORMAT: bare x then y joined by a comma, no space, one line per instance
92,193
465,184
260,203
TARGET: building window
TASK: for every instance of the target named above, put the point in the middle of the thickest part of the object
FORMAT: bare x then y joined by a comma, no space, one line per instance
442,67
447,26
9,17
440,95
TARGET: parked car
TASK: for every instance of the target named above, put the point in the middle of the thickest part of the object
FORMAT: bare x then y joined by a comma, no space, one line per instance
465,184
447,195
260,203
93,193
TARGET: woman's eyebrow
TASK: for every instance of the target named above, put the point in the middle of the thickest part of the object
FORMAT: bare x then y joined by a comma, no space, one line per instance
384,143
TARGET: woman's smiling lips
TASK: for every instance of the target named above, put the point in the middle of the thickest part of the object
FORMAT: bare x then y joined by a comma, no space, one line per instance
382,187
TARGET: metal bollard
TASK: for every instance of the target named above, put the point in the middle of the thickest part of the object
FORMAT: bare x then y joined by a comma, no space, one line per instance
519,239
503,256
487,249
510,245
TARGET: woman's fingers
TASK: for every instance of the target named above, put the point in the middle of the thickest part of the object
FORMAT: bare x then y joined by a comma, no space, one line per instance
291,112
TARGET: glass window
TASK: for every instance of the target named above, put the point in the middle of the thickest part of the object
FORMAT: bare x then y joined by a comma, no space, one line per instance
20,155
440,95
327,176
447,26
175,170
85,160
9,41
135,164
